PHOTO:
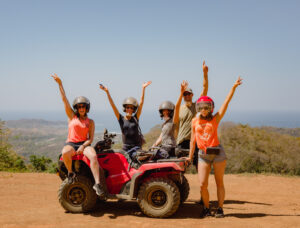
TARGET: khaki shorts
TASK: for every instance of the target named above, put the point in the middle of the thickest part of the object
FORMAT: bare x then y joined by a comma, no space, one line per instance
211,158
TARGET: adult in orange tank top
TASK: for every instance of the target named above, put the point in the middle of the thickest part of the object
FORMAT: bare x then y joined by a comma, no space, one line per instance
80,137
211,153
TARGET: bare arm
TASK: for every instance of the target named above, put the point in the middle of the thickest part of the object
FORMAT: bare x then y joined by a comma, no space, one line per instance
192,144
224,107
68,109
112,104
158,141
205,80
183,87
139,110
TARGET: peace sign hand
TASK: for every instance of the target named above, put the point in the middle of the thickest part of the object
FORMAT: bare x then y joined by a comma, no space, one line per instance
184,86
146,84
238,82
57,79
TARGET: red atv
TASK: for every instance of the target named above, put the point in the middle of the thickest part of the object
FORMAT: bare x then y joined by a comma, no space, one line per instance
159,186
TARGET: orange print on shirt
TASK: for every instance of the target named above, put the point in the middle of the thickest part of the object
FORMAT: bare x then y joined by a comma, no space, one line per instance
206,133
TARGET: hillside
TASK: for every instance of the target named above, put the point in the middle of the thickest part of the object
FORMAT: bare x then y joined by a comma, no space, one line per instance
249,149
39,137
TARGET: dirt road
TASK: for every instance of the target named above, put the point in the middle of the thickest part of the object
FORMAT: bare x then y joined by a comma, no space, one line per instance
30,200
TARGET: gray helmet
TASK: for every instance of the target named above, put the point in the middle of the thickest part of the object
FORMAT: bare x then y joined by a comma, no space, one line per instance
130,101
166,105
81,100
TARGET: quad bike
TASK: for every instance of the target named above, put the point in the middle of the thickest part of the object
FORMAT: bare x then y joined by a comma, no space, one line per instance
158,186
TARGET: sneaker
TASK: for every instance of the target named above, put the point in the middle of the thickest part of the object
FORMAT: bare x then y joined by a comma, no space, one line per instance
71,178
205,213
99,190
219,213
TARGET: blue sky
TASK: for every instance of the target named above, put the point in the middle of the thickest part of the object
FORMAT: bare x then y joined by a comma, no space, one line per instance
125,43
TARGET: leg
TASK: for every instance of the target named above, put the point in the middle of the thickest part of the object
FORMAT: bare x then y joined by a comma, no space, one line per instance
90,153
203,174
219,169
67,153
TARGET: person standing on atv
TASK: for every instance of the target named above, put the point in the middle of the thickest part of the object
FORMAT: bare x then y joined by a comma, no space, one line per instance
168,132
211,153
131,133
80,137
187,112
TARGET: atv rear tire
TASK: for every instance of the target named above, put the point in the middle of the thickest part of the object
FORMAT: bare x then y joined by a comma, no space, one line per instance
159,197
184,189
77,197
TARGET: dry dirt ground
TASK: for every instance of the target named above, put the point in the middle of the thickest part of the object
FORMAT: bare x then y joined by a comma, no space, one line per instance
30,200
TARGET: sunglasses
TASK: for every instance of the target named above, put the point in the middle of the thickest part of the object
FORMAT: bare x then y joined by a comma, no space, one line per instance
129,107
205,108
186,94
81,106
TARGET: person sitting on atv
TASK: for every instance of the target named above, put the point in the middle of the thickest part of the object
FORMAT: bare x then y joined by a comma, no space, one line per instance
131,132
168,133
80,137
211,153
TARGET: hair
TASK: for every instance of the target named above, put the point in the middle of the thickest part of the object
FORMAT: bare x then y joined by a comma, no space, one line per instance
134,110
171,113
209,117
77,113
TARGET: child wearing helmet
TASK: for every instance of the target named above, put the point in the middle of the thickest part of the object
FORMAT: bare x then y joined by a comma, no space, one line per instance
129,123
80,137
211,153
170,114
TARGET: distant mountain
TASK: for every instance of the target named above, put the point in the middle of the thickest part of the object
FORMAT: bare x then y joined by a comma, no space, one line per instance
40,137
34,123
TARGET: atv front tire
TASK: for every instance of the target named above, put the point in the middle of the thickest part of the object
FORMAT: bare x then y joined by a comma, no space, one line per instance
184,189
159,197
77,197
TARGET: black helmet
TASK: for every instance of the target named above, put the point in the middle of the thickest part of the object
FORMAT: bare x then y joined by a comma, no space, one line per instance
81,100
130,101
166,105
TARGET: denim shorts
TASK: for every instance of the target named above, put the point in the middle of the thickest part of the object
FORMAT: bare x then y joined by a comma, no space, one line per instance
74,145
211,158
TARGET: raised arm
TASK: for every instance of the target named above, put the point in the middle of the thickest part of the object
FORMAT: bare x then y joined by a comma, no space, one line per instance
69,111
139,110
112,104
183,87
223,108
205,80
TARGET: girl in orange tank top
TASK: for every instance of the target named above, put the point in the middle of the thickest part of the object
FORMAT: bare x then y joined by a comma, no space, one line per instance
205,134
80,137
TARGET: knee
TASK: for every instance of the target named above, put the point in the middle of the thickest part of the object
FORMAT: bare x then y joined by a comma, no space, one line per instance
220,184
203,186
67,151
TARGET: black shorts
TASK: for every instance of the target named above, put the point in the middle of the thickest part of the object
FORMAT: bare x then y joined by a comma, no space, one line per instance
74,145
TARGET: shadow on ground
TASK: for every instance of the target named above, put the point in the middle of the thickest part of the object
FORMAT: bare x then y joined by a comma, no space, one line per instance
190,209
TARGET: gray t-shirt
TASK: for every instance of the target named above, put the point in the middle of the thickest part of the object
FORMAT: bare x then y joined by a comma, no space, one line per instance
186,114
168,129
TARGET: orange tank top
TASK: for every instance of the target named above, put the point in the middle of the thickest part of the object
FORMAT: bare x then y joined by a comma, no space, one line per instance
78,130
205,133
